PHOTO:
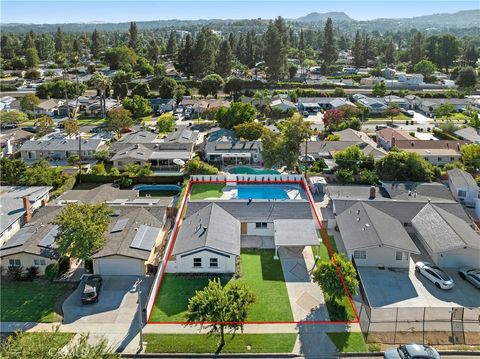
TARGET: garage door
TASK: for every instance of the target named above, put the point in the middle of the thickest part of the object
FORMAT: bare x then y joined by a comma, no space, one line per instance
119,266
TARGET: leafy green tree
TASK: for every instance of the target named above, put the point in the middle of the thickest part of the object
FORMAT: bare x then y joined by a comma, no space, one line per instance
425,67
44,126
225,307
98,169
118,119
344,175
133,35
467,77
13,116
197,167
33,346
474,120
96,44
138,106
294,131
249,131
172,43
143,67
234,85
416,48
224,59
379,89
471,156
31,58
11,170
357,52
237,113
210,85
368,177
120,57
445,110
101,83
271,146
142,89
42,174
389,55
339,92
71,127
391,112
166,123
203,53
82,229
135,170
470,55
404,166
29,102
329,52
353,158
102,155
275,52
185,59
327,277
167,88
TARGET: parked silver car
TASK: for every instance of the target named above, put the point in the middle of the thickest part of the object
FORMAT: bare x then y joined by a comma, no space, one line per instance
412,351
435,274
470,274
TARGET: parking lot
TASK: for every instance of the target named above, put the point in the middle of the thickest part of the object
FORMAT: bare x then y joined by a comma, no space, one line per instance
387,288
115,305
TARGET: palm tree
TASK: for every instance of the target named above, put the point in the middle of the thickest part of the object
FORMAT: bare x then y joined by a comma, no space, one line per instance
101,83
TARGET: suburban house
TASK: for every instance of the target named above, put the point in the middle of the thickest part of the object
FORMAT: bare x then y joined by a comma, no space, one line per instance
374,106
11,140
387,137
235,152
17,205
282,105
368,145
373,238
397,101
429,105
437,152
463,187
469,134
57,149
449,241
212,233
162,104
46,108
144,147
315,104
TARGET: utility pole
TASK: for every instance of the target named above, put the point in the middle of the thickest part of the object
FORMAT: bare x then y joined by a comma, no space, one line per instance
140,319
305,158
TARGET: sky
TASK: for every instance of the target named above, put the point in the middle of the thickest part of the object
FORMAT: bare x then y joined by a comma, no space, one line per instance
70,11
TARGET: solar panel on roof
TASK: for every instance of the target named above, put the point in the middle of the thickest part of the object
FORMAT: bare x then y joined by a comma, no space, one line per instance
23,235
120,225
49,240
145,238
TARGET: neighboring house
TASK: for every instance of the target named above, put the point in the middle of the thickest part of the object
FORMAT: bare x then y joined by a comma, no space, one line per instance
429,105
368,145
162,104
399,102
449,241
373,105
144,147
12,140
212,233
469,134
58,149
46,108
417,191
315,104
437,152
233,152
68,107
409,79
218,134
463,187
17,205
282,105
373,238
387,137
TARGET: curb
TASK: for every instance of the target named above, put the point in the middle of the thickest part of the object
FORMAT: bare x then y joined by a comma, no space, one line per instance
380,354
205,355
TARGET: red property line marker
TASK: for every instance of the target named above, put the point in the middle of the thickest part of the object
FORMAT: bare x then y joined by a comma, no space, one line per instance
324,238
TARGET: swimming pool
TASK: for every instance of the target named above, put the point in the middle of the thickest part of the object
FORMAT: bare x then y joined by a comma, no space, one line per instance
157,190
270,191
243,170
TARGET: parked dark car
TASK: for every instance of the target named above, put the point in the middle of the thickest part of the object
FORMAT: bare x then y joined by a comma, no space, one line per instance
412,351
91,290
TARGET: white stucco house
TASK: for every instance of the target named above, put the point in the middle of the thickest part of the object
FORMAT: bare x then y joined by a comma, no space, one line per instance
463,186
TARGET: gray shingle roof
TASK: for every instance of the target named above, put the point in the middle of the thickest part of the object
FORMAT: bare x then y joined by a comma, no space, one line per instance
363,226
237,146
211,227
137,152
443,231
61,145
418,191
469,133
100,194
461,179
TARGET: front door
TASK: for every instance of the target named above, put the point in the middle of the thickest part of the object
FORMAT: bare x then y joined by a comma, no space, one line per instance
243,228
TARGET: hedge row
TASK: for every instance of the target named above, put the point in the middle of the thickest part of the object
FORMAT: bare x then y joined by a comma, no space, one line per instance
443,135
91,178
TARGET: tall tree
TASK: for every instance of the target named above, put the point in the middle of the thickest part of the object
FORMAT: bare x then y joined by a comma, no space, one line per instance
29,102
250,49
172,44
470,55
224,60
225,307
133,35
203,53
389,56
44,125
96,44
467,77
59,40
185,59
101,83
119,119
275,54
31,57
357,51
301,42
417,48
329,52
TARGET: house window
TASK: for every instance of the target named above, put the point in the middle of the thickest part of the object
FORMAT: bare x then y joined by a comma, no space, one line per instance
197,262
360,254
399,255
439,159
14,262
462,193
213,262
261,225
39,262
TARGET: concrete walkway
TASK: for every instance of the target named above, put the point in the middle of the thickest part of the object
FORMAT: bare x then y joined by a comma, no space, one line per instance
306,298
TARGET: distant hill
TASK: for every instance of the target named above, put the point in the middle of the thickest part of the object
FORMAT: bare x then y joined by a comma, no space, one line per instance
321,17
467,19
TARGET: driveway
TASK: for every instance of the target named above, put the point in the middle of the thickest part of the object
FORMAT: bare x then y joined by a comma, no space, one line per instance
116,304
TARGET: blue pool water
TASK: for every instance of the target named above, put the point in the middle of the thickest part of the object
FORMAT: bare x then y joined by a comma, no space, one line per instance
157,190
252,171
272,191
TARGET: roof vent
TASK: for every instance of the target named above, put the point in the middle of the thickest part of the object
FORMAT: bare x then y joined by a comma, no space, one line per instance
358,219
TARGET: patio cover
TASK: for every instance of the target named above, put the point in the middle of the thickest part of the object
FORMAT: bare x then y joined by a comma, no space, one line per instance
233,155
295,232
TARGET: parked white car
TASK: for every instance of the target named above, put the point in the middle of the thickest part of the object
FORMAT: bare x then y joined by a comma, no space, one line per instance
435,274
470,274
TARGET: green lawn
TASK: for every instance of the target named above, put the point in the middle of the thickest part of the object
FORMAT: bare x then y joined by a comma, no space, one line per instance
348,342
56,341
30,301
399,117
206,190
90,121
202,343
261,273
340,309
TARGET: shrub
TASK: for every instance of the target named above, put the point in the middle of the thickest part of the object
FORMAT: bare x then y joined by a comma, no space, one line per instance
124,182
32,273
15,272
63,265
51,271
